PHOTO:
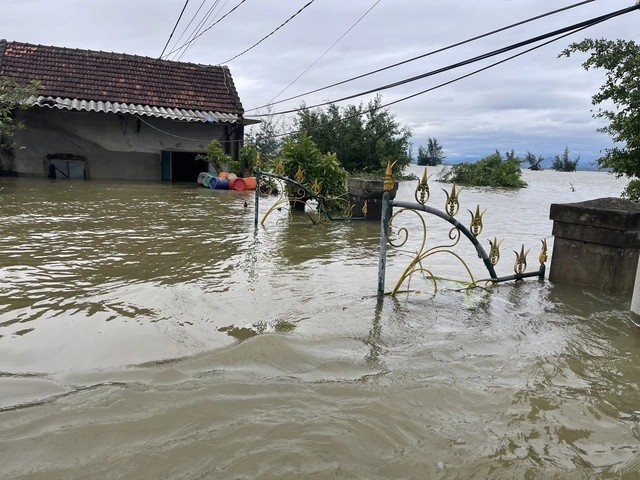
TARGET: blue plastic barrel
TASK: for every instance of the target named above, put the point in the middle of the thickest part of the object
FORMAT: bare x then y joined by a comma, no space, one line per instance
219,183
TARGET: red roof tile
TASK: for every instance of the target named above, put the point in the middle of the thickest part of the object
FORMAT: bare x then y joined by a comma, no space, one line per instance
117,77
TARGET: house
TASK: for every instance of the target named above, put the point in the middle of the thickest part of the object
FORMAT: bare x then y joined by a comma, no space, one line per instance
117,116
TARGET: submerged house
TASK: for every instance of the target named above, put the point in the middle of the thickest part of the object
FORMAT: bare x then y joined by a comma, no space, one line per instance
117,116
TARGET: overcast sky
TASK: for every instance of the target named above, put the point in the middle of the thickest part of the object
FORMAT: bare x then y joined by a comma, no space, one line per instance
536,102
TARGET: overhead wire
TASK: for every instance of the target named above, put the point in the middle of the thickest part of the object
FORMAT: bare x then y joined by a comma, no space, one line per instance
433,52
561,33
202,32
178,53
201,25
484,56
268,35
174,27
326,51
184,30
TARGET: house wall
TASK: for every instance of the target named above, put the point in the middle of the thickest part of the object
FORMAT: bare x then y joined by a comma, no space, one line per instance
115,146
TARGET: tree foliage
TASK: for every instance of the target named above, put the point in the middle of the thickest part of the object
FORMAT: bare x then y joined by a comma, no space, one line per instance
619,103
264,138
364,138
535,163
491,171
216,157
302,153
13,95
432,155
562,163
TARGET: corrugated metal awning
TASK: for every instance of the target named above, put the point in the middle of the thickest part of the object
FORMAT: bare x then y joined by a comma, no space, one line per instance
147,110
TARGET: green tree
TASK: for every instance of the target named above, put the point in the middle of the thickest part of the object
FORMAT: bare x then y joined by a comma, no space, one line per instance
562,163
301,153
432,155
216,157
264,137
363,138
619,104
534,163
491,171
13,95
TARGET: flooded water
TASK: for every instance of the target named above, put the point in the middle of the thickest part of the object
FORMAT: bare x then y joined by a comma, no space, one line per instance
149,331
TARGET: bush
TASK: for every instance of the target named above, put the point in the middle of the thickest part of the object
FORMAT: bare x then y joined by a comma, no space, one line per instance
302,153
491,171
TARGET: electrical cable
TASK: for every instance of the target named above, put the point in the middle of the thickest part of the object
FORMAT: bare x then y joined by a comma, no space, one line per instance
193,17
487,67
493,53
208,28
198,29
186,48
325,52
268,35
449,47
174,27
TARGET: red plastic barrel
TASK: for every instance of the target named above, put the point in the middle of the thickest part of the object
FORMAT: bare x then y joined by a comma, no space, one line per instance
237,184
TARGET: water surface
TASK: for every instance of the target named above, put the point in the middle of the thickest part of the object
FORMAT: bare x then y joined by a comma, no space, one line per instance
150,331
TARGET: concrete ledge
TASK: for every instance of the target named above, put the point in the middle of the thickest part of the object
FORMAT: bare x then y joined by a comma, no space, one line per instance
371,191
596,244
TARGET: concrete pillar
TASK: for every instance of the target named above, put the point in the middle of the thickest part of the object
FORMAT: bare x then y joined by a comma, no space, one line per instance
596,244
371,191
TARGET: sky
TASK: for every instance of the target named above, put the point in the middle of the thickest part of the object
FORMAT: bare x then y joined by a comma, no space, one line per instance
536,102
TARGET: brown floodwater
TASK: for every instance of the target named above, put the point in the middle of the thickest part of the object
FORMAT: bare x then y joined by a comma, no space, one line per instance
150,331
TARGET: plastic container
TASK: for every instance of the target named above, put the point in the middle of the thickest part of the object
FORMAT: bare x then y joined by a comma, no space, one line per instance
219,183
237,184
201,177
222,174
207,179
249,183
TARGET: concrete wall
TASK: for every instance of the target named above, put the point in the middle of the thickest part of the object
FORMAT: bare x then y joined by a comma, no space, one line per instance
115,146
596,243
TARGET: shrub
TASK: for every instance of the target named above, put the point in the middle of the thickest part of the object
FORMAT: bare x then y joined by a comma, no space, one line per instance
491,171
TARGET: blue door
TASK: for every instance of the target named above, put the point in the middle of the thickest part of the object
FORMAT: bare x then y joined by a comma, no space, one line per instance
166,166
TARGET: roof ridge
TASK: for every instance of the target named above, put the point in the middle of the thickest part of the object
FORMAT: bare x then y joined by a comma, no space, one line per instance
106,53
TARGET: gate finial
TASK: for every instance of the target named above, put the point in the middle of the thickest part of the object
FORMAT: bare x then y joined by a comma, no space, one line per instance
388,177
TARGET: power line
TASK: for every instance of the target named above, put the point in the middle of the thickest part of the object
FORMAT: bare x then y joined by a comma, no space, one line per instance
325,52
184,30
267,36
462,77
174,27
584,26
493,53
463,42
201,26
195,37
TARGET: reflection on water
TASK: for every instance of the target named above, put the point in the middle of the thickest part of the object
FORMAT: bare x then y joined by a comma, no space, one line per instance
148,331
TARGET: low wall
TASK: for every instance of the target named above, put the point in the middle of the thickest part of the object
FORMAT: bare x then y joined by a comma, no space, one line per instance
596,244
368,190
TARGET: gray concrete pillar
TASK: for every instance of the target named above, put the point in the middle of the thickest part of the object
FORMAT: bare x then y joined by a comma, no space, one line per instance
596,244
368,190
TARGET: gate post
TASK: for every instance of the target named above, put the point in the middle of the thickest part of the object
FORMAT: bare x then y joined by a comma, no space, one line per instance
596,244
384,236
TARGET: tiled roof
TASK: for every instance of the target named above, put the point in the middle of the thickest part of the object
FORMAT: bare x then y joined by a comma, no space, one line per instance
141,83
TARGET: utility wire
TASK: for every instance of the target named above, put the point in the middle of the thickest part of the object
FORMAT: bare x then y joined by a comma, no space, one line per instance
202,24
463,42
267,36
449,82
184,30
174,27
194,38
462,77
493,53
325,52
